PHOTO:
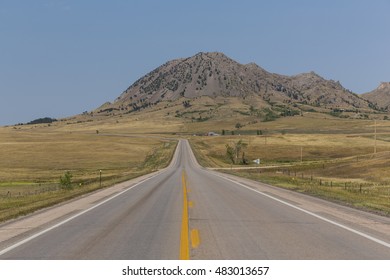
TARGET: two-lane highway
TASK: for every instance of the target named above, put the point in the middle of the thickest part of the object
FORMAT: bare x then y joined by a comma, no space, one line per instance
187,211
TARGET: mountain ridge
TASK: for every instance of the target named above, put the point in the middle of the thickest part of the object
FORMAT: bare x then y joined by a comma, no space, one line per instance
214,74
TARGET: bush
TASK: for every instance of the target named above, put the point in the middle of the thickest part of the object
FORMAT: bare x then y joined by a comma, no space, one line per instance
66,180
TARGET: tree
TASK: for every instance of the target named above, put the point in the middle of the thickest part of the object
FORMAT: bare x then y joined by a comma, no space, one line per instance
239,146
233,152
230,153
186,104
238,125
66,180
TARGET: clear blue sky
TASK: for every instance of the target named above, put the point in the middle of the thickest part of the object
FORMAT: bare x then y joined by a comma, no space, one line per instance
62,57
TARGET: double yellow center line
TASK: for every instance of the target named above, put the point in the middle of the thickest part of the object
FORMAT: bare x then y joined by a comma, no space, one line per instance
184,236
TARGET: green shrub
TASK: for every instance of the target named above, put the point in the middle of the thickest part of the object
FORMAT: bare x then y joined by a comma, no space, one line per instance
66,180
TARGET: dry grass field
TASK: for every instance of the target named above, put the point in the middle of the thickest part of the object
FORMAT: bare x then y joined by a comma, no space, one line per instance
35,157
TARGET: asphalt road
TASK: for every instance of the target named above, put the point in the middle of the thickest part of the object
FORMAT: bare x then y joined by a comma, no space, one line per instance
188,212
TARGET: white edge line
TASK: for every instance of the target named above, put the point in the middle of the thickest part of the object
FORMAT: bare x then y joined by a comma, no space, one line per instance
381,242
14,246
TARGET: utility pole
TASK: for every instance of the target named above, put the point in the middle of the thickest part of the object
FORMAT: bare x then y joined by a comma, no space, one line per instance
375,140
301,153
100,177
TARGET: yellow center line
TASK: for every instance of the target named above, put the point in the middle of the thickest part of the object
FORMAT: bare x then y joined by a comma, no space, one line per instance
184,240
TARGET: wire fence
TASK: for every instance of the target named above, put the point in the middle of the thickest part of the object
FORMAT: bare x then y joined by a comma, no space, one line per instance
33,191
310,180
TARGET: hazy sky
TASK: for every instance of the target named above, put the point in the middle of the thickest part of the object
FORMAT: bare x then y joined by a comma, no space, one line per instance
62,57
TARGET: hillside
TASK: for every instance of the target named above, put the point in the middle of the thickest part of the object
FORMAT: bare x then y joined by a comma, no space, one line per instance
380,96
216,75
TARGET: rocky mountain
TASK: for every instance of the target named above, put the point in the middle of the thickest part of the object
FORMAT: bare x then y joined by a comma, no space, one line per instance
380,96
216,75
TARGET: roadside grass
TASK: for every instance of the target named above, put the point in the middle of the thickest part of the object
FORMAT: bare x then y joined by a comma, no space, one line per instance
373,197
33,162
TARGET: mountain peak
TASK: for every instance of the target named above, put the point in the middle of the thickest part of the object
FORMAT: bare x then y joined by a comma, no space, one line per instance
310,74
211,54
214,56
384,85
214,74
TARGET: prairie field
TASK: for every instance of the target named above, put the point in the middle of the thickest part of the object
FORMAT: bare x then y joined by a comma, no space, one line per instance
34,160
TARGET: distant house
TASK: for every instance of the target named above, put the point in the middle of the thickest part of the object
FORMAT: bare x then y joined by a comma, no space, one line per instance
211,133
